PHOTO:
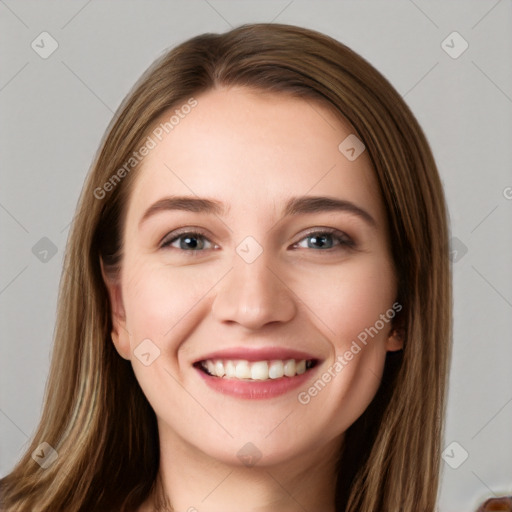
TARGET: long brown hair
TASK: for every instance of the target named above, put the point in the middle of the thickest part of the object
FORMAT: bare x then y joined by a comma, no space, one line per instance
95,415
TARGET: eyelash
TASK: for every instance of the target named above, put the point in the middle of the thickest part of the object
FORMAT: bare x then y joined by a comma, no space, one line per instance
344,241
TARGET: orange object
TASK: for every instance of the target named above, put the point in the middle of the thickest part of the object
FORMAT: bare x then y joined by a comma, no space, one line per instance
503,504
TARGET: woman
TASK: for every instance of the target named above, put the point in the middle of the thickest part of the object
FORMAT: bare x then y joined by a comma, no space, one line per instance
255,311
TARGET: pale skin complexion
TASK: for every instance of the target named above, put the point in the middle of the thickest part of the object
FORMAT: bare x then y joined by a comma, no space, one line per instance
252,152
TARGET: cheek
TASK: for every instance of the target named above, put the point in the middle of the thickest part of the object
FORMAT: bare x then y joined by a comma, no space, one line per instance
360,380
160,301
350,299
352,302
163,304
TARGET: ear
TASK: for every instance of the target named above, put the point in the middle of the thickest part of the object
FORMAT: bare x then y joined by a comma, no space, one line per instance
398,333
120,335
395,339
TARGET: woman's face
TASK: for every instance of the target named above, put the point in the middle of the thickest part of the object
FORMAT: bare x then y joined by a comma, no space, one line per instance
257,308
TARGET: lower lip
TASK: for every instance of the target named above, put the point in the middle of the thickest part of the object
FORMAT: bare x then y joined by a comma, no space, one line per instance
256,390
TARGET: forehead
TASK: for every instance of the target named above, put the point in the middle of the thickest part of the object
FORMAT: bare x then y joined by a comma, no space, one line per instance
253,150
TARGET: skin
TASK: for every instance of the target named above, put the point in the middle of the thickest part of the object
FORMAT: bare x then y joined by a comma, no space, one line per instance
253,151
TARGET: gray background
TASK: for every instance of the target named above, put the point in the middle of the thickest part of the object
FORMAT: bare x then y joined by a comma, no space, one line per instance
55,110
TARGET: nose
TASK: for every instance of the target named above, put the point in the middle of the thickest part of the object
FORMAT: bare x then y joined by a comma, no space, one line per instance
253,295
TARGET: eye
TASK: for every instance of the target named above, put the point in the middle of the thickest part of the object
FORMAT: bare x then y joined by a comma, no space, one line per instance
191,241
325,240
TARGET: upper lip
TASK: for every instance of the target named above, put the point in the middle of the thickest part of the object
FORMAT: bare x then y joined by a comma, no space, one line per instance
258,354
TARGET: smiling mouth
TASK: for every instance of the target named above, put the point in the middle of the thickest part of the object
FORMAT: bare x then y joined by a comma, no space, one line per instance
243,370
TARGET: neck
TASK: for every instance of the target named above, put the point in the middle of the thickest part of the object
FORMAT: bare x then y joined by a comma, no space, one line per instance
193,482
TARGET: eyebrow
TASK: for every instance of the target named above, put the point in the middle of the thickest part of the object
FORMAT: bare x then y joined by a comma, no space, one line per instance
294,206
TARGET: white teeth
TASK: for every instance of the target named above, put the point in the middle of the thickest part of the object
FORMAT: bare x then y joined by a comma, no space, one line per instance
230,369
219,369
242,370
289,368
276,370
259,370
256,370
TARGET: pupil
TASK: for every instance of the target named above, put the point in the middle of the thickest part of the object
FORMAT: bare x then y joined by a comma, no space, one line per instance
319,240
190,242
